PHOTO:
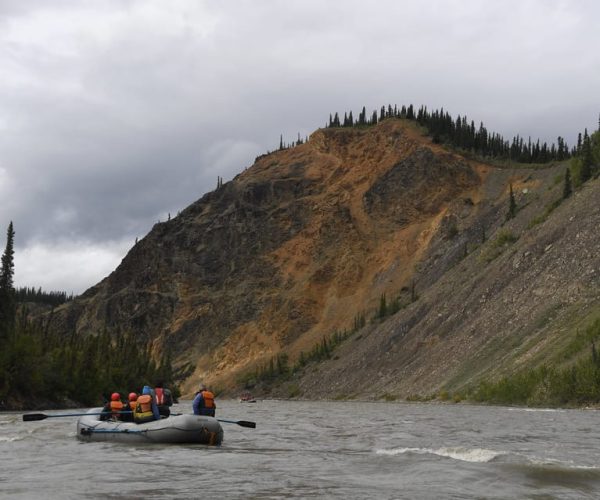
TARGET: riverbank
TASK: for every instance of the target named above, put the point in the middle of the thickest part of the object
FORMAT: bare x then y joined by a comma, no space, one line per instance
37,403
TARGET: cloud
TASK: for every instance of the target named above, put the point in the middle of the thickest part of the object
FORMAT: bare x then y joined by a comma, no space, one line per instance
73,264
116,113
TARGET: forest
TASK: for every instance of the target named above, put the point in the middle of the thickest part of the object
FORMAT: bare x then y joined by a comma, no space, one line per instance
40,366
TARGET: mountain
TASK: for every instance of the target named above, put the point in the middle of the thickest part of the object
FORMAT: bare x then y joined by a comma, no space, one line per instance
312,238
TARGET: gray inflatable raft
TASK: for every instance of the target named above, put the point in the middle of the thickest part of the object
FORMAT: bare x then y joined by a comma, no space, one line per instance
175,429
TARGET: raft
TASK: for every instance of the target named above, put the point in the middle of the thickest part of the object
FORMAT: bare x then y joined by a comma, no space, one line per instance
174,429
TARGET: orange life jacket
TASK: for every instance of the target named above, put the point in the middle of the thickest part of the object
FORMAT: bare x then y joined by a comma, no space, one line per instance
143,408
209,399
132,405
115,408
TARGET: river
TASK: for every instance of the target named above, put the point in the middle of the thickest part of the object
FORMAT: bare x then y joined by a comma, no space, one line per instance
349,450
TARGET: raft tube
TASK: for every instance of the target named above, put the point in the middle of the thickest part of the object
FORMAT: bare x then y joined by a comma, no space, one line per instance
175,429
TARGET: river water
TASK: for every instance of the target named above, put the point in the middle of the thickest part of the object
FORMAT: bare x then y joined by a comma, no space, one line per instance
348,450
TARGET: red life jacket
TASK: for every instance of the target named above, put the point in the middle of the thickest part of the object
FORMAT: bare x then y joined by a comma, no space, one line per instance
160,396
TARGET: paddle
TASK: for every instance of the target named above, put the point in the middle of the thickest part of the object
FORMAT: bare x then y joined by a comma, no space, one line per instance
243,423
41,416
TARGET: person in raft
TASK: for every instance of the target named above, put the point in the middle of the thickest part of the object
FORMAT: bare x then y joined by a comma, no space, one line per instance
112,410
129,406
145,408
164,399
204,402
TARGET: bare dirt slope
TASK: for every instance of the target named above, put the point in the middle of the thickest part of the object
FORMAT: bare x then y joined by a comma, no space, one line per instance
496,311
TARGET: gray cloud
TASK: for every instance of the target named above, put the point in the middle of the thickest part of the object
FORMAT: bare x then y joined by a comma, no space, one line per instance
114,114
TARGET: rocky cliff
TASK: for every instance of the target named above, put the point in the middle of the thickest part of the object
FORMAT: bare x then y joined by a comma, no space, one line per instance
308,238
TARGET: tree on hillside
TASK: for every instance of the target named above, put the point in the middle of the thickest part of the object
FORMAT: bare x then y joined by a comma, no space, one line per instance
595,152
512,205
568,189
586,161
383,307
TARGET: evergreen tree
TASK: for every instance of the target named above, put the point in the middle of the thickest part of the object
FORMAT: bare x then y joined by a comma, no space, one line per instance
383,308
413,293
362,117
7,299
512,205
586,161
568,189
8,265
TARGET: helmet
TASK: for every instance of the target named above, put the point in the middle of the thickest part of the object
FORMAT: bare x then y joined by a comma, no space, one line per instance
146,390
132,396
115,396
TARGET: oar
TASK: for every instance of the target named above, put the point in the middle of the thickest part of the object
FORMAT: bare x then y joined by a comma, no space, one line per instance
41,416
243,423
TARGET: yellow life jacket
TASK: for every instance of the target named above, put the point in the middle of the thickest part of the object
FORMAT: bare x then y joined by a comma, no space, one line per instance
143,409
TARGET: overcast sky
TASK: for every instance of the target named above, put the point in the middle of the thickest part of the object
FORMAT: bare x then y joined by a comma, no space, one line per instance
114,114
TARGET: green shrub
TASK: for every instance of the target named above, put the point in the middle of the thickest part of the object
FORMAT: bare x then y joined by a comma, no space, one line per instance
294,390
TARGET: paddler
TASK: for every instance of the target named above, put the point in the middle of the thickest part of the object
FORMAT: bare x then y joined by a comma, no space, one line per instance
204,402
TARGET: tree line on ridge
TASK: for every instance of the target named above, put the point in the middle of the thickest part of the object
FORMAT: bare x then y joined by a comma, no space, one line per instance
463,134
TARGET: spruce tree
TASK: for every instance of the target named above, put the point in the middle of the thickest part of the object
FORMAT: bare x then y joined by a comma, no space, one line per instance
587,160
568,189
512,205
413,293
383,309
8,265
7,300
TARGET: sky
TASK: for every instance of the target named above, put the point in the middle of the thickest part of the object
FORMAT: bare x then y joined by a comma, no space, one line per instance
115,114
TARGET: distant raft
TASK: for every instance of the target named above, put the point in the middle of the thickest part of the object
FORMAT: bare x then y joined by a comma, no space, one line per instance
175,429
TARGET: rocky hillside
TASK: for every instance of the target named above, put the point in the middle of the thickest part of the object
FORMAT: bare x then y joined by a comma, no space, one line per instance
308,238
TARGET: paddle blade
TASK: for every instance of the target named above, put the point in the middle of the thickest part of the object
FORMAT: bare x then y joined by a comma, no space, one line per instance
243,423
34,416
